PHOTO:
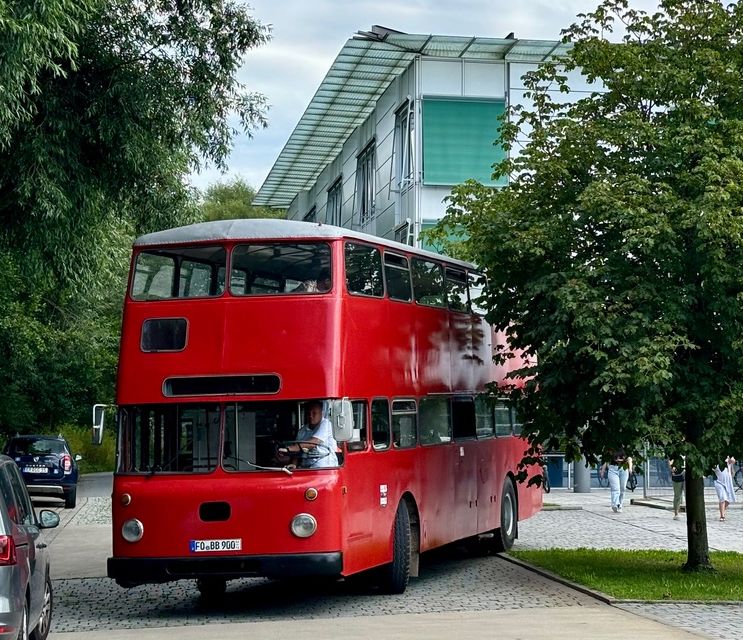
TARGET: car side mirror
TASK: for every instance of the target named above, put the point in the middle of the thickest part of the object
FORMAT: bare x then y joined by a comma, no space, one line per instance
341,417
48,519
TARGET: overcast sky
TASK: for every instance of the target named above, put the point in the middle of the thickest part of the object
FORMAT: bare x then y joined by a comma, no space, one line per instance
307,36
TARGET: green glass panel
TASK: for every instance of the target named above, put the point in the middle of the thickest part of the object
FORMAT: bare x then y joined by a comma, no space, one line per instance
458,140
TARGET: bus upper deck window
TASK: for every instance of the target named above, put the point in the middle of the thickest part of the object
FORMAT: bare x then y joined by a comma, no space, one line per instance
184,272
364,270
280,268
428,283
397,275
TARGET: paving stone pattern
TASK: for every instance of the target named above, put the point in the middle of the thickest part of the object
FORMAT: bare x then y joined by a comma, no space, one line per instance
451,580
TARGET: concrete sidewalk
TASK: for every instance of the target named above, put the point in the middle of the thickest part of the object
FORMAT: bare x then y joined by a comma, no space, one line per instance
571,623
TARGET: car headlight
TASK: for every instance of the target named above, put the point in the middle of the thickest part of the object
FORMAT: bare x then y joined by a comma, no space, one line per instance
132,530
303,525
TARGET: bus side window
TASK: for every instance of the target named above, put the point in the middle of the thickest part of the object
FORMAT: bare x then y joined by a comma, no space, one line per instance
364,270
358,441
404,424
484,417
477,283
397,275
428,283
503,425
435,420
380,424
456,290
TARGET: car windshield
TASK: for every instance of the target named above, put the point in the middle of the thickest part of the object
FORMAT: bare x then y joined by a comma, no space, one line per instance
35,447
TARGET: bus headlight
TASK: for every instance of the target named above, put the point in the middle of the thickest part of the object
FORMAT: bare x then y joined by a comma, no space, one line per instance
132,530
303,525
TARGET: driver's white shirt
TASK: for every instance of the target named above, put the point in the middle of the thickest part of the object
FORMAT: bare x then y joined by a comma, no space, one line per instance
324,433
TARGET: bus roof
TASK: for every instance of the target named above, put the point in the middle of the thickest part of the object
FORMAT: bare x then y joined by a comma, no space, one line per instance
275,229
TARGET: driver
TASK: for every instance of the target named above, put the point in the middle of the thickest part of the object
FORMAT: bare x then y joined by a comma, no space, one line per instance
317,431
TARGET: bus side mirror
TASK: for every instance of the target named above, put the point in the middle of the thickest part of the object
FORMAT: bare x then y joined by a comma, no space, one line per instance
341,417
99,411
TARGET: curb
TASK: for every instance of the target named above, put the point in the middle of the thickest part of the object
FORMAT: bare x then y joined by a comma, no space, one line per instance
601,597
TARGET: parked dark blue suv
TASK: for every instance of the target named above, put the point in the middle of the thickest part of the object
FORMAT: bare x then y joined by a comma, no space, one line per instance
47,465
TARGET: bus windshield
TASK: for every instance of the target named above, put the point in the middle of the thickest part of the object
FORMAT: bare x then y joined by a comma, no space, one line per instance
186,438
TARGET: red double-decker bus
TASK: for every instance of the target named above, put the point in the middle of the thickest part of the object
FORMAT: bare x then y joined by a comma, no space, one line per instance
229,329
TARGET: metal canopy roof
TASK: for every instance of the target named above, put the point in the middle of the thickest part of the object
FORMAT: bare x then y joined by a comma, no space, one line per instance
366,65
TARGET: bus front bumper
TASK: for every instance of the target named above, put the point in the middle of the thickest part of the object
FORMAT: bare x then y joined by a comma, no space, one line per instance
130,572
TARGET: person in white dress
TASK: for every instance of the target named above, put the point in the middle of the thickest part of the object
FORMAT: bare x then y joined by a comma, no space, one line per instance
724,485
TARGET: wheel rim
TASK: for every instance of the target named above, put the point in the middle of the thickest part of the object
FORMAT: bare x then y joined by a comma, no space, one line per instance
507,524
46,611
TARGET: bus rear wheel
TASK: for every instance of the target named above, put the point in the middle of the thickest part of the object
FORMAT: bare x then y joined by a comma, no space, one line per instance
396,574
506,534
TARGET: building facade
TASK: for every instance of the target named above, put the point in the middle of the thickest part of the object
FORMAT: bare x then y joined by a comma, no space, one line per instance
398,120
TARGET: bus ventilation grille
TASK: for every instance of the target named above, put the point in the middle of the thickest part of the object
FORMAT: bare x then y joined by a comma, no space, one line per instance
221,385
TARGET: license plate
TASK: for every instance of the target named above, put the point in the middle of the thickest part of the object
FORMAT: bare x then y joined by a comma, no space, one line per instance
35,470
205,546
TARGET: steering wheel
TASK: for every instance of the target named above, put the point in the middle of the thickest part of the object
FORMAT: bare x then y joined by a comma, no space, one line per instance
308,451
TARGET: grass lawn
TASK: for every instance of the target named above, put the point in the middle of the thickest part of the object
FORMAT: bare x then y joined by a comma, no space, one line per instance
642,574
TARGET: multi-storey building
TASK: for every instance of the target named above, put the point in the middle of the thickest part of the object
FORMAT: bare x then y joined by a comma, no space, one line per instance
397,121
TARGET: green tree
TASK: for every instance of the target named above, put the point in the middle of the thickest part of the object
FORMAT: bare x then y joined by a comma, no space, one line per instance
232,200
615,254
107,106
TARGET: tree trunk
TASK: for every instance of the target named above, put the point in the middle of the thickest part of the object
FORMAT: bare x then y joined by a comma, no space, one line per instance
696,526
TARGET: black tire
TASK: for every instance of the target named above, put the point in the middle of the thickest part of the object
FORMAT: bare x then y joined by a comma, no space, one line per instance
509,514
44,623
396,574
211,589
70,499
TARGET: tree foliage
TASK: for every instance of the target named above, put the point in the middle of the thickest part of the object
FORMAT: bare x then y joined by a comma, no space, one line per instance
106,107
232,200
615,254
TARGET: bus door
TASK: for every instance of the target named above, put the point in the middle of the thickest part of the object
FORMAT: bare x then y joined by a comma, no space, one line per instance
466,450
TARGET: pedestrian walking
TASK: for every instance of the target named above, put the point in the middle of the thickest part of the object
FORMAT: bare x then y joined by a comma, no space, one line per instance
678,475
724,485
618,473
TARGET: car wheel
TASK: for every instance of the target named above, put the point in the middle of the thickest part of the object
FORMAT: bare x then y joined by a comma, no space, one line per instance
23,631
70,499
41,631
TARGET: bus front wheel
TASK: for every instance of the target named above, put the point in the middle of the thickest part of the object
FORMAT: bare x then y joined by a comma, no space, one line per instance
506,534
397,573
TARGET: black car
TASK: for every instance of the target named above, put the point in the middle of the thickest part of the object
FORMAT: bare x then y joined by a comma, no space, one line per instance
48,467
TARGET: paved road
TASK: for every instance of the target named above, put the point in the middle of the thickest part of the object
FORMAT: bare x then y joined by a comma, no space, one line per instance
455,594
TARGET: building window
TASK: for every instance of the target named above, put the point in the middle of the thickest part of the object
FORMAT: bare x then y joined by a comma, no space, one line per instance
365,187
311,215
403,148
334,207
458,140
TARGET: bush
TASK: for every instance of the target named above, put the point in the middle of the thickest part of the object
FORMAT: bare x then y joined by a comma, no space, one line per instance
95,457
